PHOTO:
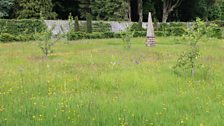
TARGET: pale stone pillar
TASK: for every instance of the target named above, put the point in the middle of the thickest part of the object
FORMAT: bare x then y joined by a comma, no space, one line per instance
150,37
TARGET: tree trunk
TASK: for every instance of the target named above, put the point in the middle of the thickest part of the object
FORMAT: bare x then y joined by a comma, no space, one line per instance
169,6
140,9
165,13
165,17
129,9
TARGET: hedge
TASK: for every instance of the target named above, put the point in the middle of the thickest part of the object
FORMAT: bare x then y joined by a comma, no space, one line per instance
6,37
220,23
24,26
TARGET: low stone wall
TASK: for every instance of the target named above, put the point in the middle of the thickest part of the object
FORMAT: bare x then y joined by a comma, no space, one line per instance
114,25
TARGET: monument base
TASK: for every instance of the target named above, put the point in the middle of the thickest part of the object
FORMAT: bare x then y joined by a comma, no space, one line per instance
150,41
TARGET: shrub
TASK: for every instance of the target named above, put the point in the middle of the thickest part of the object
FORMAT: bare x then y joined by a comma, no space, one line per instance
158,33
46,40
214,31
188,59
101,27
76,35
220,23
99,35
70,23
117,35
139,34
88,23
6,37
94,35
176,31
136,27
26,37
76,24
126,38
108,34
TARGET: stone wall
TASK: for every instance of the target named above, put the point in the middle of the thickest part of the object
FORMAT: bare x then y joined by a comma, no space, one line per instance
114,25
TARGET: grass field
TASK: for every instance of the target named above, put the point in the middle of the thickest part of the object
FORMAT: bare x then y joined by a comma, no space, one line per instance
99,83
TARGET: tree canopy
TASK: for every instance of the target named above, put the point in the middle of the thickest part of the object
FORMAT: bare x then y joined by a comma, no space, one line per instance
132,10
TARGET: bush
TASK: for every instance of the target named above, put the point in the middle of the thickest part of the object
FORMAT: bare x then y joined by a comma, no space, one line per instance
216,33
220,23
139,34
101,27
76,24
108,34
117,35
25,37
172,29
176,31
25,26
94,35
158,33
6,37
136,27
76,35
88,23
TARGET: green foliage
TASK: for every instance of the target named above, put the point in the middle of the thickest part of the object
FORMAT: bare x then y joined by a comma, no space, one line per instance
46,40
188,59
97,26
71,23
85,7
70,26
172,29
64,7
159,33
139,33
213,30
220,23
88,23
101,26
76,24
126,37
136,27
109,9
5,7
6,37
83,35
215,13
103,35
108,34
26,9
25,26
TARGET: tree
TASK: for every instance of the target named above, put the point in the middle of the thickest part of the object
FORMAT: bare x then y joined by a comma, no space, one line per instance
149,6
110,9
205,6
33,8
76,23
64,7
168,7
216,12
85,7
129,9
5,6
140,12
88,23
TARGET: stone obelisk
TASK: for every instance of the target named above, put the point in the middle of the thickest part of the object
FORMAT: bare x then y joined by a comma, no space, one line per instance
150,37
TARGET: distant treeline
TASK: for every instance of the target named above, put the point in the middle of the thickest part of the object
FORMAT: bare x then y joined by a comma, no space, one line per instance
118,10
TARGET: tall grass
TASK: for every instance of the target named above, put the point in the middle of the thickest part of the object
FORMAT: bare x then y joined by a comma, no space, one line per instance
99,83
